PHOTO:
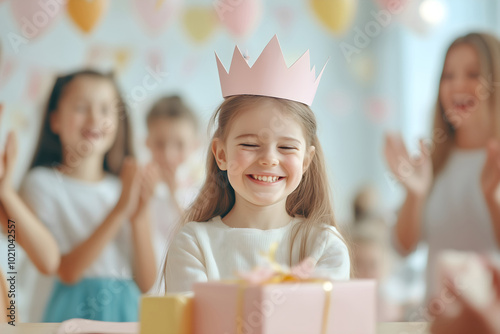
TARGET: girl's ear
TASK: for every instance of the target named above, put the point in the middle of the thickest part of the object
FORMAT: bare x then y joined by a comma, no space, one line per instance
308,158
54,122
219,153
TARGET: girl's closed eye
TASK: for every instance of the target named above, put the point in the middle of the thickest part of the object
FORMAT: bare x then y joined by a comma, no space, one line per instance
473,75
80,107
288,148
249,145
105,110
447,76
110,109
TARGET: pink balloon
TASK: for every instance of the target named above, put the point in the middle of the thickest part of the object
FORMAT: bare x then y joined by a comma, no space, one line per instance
378,109
240,17
35,17
34,86
156,14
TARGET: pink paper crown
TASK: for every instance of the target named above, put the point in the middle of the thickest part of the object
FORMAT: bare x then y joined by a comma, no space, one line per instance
269,76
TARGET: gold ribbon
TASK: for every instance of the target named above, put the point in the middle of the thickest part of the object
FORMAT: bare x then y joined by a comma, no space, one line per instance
281,276
327,287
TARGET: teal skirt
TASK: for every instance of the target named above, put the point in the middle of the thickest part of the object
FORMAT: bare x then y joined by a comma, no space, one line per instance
102,299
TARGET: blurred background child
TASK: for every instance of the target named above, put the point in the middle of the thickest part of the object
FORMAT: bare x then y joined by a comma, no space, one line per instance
172,139
100,221
372,254
450,189
372,259
401,286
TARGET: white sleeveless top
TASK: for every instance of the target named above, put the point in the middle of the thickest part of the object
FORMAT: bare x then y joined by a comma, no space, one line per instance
456,215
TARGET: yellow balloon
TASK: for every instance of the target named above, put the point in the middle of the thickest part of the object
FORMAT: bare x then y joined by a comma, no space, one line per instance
86,13
200,22
335,15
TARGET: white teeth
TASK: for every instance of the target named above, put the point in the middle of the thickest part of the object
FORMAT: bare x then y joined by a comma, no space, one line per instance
268,179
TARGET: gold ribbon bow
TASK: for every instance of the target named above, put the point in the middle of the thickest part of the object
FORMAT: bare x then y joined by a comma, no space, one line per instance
281,275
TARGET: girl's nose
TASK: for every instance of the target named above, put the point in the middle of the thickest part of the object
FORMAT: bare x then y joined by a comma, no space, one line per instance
93,116
459,83
269,158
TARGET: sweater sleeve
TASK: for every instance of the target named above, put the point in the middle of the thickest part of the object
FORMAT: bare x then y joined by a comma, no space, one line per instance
332,256
185,262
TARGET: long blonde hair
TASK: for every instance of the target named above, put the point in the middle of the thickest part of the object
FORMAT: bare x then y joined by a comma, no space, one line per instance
311,199
488,49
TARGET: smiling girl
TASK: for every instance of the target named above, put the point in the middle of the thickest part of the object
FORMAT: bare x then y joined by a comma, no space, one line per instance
98,219
266,182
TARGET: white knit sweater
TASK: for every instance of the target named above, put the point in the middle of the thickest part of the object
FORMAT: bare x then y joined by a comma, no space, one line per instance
212,250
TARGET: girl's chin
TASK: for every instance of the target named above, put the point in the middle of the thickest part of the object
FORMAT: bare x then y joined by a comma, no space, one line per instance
264,199
264,203
458,116
97,149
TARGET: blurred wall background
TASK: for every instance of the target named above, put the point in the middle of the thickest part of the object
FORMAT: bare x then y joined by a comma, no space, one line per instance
387,80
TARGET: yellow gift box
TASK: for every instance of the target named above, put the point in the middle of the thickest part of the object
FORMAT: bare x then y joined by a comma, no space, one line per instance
170,314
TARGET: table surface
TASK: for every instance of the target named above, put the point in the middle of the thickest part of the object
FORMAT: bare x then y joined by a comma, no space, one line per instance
382,328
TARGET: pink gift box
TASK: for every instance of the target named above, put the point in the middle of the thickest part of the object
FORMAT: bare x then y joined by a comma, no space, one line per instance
291,308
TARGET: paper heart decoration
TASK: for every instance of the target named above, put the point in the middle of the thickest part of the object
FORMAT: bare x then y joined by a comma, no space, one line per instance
239,17
156,15
35,17
34,86
155,58
7,68
378,109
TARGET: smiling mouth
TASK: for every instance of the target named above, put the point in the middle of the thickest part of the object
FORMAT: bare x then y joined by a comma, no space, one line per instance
91,135
464,104
265,178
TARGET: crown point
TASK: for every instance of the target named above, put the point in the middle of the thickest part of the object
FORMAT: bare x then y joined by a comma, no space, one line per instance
239,62
270,76
303,61
220,66
321,73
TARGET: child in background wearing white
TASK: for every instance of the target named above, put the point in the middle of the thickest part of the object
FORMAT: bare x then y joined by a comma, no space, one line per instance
172,140
100,220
